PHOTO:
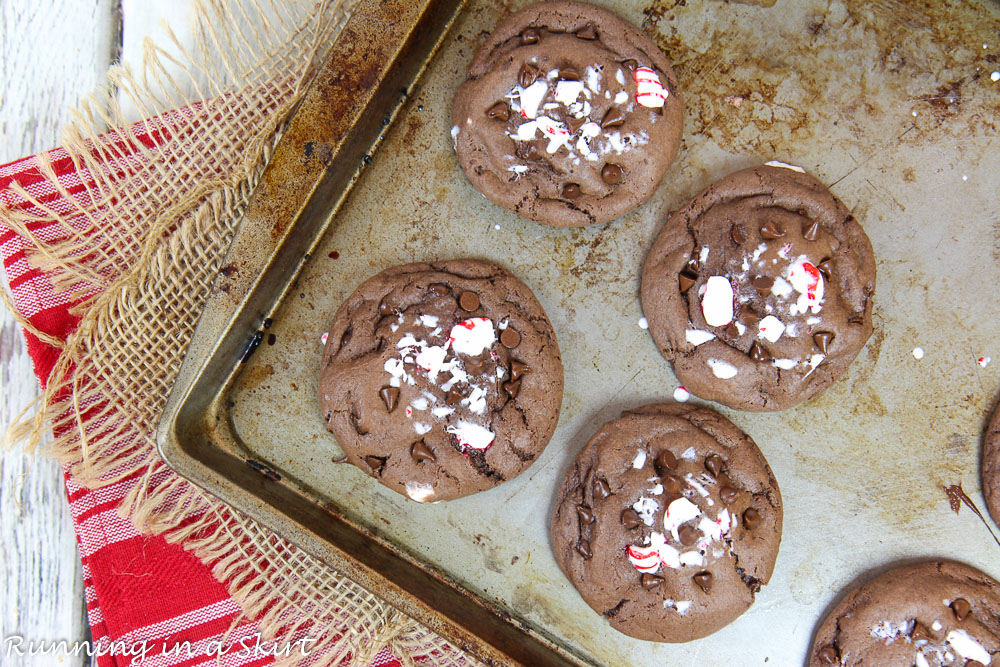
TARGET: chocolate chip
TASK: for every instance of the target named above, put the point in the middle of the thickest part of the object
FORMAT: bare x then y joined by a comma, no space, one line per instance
630,519
961,607
672,485
919,632
512,388
693,267
375,464
828,655
826,268
571,191
666,460
751,518
728,494
600,488
704,580
420,452
611,174
475,365
759,353
650,581
528,75
585,514
468,301
613,118
688,534
530,36
686,280
517,369
529,151
510,338
974,663
763,284
499,111
389,396
750,318
732,331
574,123
630,64
583,548
812,232
569,74
715,464
587,32
771,231
823,340
439,289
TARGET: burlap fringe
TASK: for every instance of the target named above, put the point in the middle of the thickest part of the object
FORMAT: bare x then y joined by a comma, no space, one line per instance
138,253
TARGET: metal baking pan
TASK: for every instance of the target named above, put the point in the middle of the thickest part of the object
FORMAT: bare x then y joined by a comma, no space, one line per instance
890,103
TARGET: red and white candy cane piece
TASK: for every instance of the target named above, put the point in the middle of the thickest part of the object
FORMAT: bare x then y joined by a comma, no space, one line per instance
649,91
807,281
644,559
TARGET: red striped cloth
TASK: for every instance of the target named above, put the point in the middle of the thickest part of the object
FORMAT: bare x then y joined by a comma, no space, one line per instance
143,594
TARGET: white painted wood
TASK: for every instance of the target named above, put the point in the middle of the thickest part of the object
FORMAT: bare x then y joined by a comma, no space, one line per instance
51,54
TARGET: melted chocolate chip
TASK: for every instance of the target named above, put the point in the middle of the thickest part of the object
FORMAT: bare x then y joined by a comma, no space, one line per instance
611,174
737,234
512,388
468,301
613,118
510,338
751,518
574,123
919,632
823,340
600,488
528,75
812,232
587,32
665,460
715,464
672,485
650,581
517,369
750,317
375,464
763,284
569,74
703,580
439,289
732,331
771,231
688,534
685,280
630,519
571,191
728,494
585,514
499,111
961,608
583,548
759,353
529,36
826,268
828,655
420,452
389,396
475,365
630,64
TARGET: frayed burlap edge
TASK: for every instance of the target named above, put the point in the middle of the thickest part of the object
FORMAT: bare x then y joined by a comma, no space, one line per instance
138,250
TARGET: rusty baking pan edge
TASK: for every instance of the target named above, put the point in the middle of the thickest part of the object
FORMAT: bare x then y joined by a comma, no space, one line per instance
373,65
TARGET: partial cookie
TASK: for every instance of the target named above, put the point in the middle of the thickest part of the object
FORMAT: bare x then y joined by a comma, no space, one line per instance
991,466
668,522
925,614
569,116
759,290
442,379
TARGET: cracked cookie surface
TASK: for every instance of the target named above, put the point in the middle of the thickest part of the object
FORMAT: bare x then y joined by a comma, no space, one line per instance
759,290
569,115
928,614
441,380
668,522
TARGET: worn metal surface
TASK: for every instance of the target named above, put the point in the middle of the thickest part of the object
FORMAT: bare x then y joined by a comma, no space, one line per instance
893,105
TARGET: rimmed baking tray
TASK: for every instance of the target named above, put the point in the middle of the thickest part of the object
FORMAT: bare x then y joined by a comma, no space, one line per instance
890,103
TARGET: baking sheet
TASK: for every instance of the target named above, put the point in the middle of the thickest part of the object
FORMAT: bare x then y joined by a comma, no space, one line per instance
890,103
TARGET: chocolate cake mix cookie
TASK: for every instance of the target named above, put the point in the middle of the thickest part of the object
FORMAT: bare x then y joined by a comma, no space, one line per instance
442,379
668,522
991,466
925,614
569,115
759,290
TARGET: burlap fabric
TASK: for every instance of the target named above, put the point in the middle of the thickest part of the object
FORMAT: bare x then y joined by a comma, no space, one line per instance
139,252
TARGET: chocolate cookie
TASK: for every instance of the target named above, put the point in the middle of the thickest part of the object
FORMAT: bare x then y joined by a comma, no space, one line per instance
442,379
925,614
668,522
569,116
759,290
991,466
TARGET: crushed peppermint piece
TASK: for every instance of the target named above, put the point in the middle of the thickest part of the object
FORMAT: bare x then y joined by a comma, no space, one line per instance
717,302
643,323
722,369
784,165
649,91
681,395
639,460
323,338
918,353
984,361
419,491
698,337
771,328
472,435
